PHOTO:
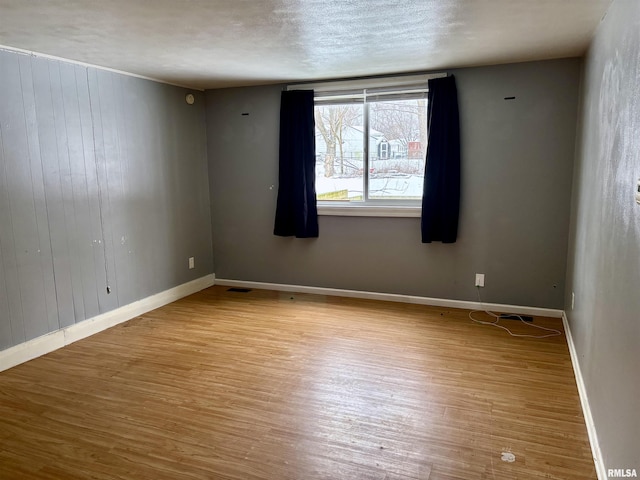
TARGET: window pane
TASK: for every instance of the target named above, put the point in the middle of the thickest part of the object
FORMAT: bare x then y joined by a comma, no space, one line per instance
339,152
397,149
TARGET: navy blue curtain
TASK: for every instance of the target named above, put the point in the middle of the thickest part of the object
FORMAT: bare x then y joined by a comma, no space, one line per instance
441,195
296,212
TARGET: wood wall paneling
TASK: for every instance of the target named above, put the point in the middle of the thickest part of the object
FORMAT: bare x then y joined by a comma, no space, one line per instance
82,205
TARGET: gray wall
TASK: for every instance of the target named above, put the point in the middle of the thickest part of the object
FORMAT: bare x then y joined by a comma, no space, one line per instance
102,182
604,254
517,166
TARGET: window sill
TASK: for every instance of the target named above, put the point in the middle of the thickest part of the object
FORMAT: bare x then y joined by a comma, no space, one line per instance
369,211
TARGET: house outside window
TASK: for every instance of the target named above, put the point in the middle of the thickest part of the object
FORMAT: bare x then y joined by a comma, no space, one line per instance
371,139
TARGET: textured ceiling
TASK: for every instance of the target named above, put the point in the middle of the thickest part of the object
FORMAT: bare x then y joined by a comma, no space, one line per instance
218,43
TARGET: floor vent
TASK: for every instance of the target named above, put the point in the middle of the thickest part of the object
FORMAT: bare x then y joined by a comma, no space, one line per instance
511,316
238,290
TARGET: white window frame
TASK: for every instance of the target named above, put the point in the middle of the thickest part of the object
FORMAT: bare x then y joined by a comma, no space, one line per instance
348,90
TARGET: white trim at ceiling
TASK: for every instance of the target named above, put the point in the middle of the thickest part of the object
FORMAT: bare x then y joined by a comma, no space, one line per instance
22,51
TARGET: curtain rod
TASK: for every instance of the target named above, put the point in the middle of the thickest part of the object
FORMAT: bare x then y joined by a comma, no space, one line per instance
391,81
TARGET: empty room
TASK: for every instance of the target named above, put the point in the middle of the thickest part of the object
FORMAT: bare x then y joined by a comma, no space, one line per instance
319,239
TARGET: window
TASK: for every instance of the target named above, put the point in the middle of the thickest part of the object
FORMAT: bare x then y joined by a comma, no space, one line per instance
371,139
371,151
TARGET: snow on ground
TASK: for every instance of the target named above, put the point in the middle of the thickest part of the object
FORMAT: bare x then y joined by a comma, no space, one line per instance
404,186
380,185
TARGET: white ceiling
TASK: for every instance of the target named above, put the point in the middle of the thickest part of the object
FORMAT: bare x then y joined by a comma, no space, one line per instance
219,43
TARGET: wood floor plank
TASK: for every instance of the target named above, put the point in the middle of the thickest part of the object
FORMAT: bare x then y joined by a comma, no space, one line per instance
267,385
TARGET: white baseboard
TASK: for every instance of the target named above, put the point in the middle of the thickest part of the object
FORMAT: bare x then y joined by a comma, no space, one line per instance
394,297
584,401
52,341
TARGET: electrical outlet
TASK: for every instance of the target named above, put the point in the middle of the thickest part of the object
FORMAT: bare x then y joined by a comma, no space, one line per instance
479,279
192,263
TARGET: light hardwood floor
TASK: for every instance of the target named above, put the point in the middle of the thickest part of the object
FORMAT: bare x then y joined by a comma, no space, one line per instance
267,385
